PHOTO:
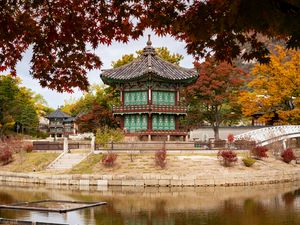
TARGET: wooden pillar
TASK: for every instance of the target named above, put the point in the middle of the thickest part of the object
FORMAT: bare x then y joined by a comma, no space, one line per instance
149,96
176,122
150,122
122,96
122,122
177,97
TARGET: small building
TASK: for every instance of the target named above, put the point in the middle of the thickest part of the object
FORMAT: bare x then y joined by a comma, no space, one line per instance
61,124
150,96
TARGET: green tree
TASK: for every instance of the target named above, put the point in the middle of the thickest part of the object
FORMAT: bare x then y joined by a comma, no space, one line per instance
17,105
8,93
25,111
94,109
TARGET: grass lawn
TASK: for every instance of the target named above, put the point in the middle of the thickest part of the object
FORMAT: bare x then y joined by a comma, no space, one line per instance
28,162
87,166
145,163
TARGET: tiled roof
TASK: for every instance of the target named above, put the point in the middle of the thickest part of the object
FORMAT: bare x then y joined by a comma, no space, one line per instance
148,63
58,114
70,119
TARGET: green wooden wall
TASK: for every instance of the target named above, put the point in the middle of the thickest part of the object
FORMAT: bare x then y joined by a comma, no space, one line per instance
163,122
163,98
133,122
136,98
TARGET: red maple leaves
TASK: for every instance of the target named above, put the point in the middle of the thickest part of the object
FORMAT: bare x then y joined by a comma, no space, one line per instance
60,31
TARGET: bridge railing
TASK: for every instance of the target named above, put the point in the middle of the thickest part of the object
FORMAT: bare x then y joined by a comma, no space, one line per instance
269,133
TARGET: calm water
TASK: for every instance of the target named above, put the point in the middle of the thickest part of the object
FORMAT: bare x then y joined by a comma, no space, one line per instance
265,205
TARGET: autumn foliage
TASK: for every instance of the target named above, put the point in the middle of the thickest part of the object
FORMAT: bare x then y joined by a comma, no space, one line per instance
288,155
259,152
99,116
63,34
109,159
5,155
213,97
273,93
230,138
161,157
227,157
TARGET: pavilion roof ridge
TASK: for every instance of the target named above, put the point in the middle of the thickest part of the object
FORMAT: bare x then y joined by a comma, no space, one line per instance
148,62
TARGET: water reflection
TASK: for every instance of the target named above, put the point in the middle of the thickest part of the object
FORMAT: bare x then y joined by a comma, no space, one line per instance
256,205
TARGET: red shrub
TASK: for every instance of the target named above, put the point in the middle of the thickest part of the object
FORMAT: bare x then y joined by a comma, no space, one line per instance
259,152
5,155
16,144
230,138
29,148
288,155
109,159
227,157
161,158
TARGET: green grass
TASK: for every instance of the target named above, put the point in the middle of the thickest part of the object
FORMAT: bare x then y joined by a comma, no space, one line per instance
28,162
87,165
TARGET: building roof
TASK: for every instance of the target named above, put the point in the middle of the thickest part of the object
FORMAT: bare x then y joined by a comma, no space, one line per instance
57,114
149,63
70,119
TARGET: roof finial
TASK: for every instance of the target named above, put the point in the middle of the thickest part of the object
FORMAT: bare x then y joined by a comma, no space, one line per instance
149,43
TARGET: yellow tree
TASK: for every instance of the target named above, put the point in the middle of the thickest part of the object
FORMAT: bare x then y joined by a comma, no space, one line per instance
274,91
162,52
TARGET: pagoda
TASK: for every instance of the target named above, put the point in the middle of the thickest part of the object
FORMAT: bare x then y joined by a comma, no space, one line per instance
61,124
150,96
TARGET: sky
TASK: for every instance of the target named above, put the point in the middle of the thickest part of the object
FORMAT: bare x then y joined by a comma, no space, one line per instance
107,54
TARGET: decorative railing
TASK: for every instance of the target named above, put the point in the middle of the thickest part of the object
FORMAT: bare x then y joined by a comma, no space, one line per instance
157,132
270,134
56,125
150,109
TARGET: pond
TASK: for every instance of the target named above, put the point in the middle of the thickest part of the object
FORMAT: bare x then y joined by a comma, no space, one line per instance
253,205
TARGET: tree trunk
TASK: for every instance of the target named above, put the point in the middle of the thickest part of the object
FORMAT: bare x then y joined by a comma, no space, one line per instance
216,132
216,123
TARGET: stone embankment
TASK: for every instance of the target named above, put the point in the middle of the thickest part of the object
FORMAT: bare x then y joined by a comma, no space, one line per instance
226,178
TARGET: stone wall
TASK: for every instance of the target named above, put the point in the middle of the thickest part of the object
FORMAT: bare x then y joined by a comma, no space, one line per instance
205,133
228,179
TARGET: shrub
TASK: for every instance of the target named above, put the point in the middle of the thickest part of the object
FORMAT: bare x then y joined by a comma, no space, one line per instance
15,143
5,155
259,152
161,158
248,161
288,155
227,157
28,148
105,135
230,138
109,159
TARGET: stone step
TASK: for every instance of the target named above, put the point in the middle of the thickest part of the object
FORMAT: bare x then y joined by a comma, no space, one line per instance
67,161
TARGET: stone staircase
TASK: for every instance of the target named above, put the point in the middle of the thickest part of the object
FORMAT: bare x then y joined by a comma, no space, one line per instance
66,161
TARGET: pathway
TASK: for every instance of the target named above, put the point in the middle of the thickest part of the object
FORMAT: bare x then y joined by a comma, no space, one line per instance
67,161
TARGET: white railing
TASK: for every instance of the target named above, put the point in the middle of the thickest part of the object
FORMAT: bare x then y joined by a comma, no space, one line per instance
270,134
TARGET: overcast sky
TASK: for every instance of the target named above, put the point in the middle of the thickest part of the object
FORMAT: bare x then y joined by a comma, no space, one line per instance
107,55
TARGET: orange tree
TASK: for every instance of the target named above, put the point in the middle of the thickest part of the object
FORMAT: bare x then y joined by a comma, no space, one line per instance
213,98
62,33
274,90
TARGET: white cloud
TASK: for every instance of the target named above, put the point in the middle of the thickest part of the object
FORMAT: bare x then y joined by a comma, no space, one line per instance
107,55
